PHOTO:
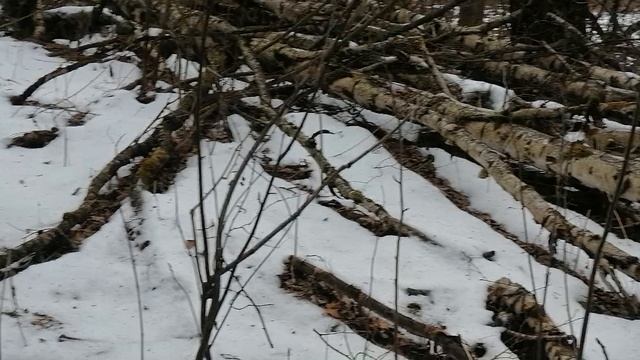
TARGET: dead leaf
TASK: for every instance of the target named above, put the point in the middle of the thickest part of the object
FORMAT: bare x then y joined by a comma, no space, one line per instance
333,309
44,321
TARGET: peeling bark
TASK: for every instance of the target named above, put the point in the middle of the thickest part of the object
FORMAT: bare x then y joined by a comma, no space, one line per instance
378,98
591,167
450,117
527,323
551,82
611,141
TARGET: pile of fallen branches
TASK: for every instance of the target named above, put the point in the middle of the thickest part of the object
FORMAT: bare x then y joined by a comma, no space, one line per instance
385,58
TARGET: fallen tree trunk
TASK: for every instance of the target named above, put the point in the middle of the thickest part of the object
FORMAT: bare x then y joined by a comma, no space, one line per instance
60,239
475,39
549,82
448,116
591,167
346,302
528,325
555,122
615,78
409,105
611,141
342,185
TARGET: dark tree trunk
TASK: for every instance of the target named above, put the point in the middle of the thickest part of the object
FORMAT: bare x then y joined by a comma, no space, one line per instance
471,13
534,26
22,10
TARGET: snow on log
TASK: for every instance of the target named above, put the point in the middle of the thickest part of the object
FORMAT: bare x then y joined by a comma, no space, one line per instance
591,167
403,104
377,211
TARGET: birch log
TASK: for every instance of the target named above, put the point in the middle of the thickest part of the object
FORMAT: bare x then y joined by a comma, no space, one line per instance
402,104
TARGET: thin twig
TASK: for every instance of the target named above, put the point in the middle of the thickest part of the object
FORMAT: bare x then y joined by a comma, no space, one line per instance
604,349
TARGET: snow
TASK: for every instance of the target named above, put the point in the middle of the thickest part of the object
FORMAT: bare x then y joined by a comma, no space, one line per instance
46,182
579,135
85,40
91,294
68,10
498,96
388,123
486,196
184,68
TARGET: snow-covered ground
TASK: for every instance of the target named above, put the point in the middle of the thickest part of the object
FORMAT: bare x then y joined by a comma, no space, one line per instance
84,305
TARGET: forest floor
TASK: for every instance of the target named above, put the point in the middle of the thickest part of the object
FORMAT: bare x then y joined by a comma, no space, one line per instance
84,305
